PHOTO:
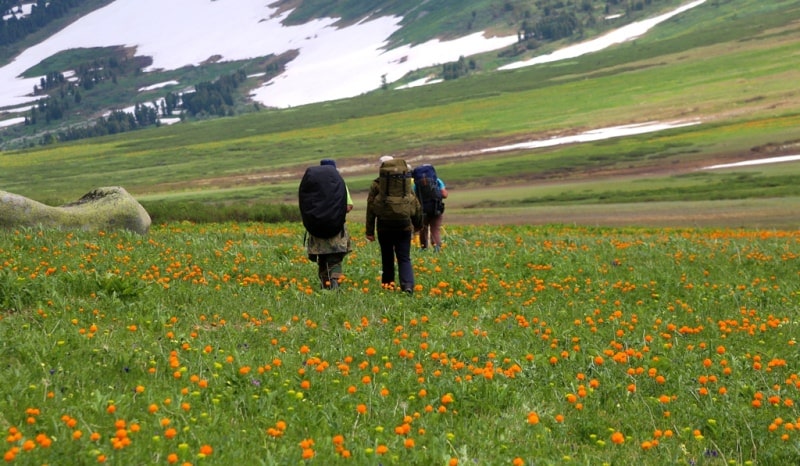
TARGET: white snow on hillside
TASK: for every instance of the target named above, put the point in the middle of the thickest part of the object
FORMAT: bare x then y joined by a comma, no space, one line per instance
19,11
158,85
333,63
618,36
594,135
746,163
12,121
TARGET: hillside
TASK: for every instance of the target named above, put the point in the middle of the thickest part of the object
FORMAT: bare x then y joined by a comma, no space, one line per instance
552,142
90,77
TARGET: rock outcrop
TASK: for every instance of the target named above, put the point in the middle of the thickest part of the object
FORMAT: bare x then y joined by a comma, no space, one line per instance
109,208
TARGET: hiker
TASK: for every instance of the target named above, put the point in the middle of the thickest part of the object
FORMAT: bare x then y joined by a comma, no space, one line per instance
431,192
394,210
324,203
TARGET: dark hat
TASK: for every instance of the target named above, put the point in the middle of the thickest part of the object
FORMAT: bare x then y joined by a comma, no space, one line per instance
327,162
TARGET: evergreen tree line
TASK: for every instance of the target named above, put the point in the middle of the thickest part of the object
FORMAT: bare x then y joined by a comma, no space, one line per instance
42,13
118,121
62,94
51,80
457,69
90,74
559,20
551,28
48,110
209,98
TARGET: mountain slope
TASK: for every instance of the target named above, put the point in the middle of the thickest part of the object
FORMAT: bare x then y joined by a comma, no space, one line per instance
728,66
293,53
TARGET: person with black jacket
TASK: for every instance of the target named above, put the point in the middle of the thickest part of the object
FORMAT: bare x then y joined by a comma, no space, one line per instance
329,253
394,238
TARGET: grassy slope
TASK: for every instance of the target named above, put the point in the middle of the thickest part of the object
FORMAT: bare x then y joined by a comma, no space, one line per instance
422,21
729,65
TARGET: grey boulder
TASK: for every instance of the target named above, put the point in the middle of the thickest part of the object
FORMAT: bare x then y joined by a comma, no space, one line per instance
109,208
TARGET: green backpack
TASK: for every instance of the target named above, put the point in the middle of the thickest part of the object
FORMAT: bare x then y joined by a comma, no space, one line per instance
395,199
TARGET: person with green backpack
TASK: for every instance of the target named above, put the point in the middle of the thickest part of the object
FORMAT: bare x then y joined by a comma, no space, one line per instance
394,210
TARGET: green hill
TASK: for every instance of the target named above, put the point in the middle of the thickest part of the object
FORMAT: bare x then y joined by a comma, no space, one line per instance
82,91
730,66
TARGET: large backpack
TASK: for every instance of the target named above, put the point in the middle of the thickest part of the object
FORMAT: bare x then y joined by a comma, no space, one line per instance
395,199
426,184
323,201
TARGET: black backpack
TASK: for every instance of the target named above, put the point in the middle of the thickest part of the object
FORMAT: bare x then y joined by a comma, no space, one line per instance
323,201
426,184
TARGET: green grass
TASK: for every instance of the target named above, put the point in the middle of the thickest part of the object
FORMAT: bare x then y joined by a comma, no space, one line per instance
217,336
214,329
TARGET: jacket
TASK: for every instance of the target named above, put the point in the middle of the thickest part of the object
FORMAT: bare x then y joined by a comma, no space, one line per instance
321,246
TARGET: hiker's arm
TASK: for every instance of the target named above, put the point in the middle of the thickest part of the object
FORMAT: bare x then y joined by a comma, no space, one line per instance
370,230
349,199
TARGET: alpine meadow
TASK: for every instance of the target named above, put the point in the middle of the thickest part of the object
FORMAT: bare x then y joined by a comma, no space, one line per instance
617,283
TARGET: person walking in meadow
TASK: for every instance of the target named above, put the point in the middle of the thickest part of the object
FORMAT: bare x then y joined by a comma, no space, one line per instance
394,210
431,192
324,203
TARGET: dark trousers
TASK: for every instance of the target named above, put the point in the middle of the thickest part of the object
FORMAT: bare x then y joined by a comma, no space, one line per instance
396,244
330,269
431,225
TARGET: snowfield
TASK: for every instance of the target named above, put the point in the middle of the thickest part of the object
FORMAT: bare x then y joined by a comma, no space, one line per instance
333,63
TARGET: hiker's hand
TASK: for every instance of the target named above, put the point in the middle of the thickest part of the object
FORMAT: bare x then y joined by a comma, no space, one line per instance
370,237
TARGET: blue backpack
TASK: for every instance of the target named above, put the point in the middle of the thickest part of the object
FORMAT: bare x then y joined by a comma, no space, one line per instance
426,186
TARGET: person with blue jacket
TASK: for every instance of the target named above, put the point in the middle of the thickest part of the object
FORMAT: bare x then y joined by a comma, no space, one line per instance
433,212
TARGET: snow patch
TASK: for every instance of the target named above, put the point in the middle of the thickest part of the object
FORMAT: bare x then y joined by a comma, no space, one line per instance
784,158
421,82
594,135
12,122
22,11
623,34
157,86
